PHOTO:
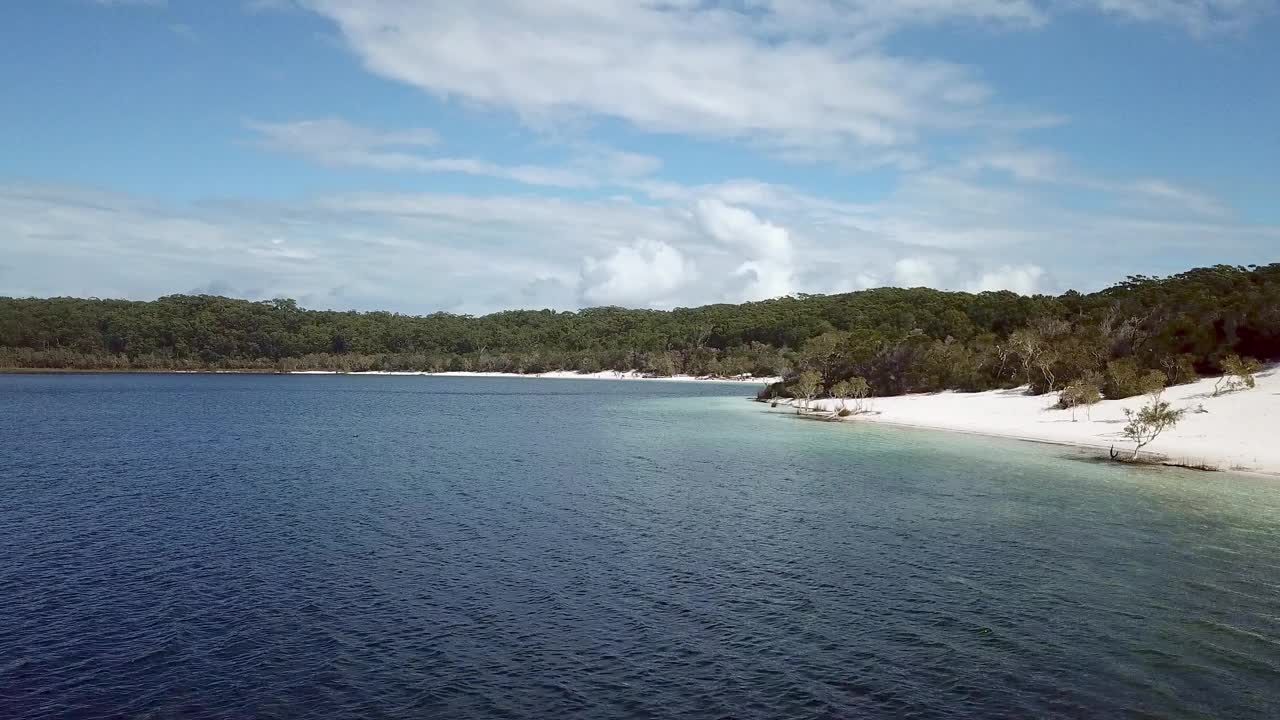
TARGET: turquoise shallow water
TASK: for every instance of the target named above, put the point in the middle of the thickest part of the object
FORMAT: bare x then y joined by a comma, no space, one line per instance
259,546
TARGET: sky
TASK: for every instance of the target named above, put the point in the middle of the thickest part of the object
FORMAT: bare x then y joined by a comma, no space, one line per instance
422,155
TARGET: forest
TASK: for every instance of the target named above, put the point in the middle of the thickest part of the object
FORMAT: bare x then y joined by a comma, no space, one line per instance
898,340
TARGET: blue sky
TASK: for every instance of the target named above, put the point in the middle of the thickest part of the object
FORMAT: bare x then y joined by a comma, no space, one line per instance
422,156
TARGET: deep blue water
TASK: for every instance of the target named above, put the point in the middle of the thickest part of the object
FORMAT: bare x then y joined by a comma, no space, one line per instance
384,547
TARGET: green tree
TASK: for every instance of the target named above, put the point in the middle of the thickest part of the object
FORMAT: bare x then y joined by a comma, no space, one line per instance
840,391
899,340
1125,378
1237,374
853,389
1180,369
1146,424
828,355
806,387
1084,392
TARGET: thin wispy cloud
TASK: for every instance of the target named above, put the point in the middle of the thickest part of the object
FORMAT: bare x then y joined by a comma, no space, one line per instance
336,142
1045,167
185,31
131,3
1198,17
268,6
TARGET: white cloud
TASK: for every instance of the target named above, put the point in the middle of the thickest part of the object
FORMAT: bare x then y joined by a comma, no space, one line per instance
769,268
809,80
1198,17
795,74
275,251
913,272
488,252
1028,164
805,77
958,273
1037,165
737,226
131,3
266,6
184,31
336,142
1172,195
646,273
1022,279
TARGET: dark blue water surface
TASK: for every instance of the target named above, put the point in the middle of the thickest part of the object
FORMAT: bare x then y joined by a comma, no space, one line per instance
407,547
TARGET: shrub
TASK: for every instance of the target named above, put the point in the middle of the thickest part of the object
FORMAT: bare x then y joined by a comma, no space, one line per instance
1125,379
1237,374
1146,424
1181,369
772,391
1086,392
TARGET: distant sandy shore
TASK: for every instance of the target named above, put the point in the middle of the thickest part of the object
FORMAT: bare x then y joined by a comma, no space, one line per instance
563,375
1238,431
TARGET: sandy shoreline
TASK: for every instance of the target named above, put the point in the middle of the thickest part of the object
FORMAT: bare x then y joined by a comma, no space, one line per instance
553,375
1235,432
560,375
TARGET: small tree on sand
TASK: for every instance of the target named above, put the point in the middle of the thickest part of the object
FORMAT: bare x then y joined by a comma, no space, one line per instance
859,390
1152,383
1146,424
1086,392
1237,374
1029,346
807,387
856,389
840,391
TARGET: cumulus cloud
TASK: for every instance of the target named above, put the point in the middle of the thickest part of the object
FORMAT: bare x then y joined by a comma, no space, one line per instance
1022,279
949,272
491,252
769,270
646,273
911,272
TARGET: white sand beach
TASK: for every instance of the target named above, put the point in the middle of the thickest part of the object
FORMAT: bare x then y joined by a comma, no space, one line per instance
564,375
1237,431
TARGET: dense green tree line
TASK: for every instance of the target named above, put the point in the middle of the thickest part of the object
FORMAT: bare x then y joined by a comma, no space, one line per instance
899,340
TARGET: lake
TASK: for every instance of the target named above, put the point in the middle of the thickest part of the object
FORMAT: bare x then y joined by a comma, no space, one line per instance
407,547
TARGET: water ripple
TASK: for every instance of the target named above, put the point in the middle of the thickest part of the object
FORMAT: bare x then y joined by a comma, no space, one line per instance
406,547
